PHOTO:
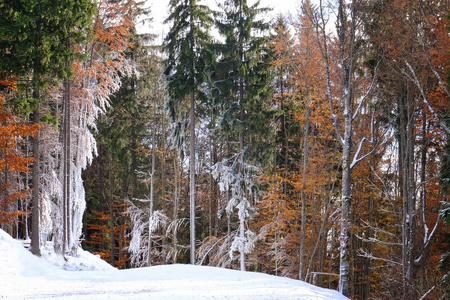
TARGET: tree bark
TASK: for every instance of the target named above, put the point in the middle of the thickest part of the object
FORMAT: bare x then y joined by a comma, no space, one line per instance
192,178
150,214
66,168
35,222
175,209
36,171
407,140
305,166
111,211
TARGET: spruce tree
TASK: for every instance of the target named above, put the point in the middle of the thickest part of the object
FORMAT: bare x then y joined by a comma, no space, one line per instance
244,79
188,54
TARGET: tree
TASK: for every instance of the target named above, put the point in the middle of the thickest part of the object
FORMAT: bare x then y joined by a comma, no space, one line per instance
187,58
39,51
243,79
350,97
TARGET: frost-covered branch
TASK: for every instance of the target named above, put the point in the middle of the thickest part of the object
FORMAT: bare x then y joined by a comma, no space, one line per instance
427,241
377,241
371,141
143,224
363,253
426,294
424,96
209,250
237,178
369,90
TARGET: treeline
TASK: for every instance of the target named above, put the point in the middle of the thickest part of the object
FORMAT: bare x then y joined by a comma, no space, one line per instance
314,148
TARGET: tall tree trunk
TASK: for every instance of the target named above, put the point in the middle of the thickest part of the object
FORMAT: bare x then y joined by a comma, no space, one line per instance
345,213
192,178
135,145
407,139
36,170
163,178
368,245
212,185
301,274
66,168
111,210
241,140
175,209
150,213
211,195
346,61
35,228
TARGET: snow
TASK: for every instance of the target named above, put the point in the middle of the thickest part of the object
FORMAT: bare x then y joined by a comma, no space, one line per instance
24,276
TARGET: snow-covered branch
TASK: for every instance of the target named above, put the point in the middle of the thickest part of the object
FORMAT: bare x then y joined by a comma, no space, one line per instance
363,253
424,96
369,90
356,157
427,241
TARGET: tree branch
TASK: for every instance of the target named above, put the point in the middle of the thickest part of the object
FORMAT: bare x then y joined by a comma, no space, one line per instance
419,86
372,84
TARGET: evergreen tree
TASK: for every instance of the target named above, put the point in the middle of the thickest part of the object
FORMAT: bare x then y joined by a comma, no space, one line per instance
244,80
188,55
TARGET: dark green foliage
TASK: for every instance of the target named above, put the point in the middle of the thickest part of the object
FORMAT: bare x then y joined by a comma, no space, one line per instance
36,33
244,76
187,52
39,38
124,129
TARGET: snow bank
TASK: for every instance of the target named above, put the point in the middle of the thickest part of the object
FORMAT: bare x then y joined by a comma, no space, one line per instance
24,276
82,261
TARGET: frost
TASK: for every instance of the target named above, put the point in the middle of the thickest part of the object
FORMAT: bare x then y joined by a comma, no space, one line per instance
144,223
236,177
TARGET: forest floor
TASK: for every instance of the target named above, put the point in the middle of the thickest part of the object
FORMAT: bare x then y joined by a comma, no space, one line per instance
25,276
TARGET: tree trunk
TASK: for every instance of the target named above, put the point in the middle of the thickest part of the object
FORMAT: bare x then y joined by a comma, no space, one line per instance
192,178
150,214
163,178
345,213
175,209
66,168
35,228
111,210
36,170
305,166
346,61
407,139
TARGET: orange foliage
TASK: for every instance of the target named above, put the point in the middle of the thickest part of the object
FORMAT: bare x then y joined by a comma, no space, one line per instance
100,236
11,129
279,217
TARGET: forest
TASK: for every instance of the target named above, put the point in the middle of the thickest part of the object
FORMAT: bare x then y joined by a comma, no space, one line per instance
313,146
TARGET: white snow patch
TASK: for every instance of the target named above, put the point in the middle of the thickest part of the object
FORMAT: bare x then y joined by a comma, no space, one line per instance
24,276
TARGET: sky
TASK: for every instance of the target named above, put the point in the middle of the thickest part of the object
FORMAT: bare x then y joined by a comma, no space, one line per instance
159,9
25,276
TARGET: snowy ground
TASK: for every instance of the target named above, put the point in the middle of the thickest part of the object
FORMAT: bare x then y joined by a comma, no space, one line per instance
24,276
